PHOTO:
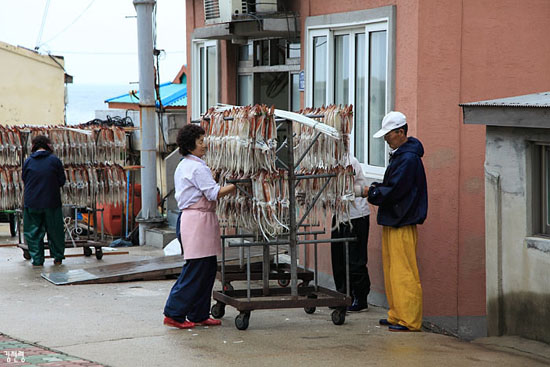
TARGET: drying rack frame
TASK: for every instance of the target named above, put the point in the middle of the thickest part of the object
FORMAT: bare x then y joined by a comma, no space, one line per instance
307,297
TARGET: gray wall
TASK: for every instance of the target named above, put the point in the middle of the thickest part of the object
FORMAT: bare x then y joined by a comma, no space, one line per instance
517,262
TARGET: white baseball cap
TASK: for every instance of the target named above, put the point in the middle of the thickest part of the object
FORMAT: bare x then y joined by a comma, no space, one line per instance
391,121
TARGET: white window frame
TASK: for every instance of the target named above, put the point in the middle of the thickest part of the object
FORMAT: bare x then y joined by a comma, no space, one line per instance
196,77
352,28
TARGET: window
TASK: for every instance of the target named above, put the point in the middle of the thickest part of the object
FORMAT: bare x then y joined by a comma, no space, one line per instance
267,73
205,91
541,192
319,71
295,92
352,64
245,90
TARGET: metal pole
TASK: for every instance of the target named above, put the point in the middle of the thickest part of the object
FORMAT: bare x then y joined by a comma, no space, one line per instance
265,270
149,213
292,211
223,264
316,269
347,269
127,199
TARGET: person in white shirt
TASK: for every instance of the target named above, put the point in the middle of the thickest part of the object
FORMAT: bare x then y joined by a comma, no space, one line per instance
196,193
358,270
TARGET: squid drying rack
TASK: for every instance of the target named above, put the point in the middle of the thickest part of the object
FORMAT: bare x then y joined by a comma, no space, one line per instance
302,295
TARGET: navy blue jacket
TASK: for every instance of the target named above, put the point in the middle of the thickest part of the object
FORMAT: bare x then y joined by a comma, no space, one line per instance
43,175
403,195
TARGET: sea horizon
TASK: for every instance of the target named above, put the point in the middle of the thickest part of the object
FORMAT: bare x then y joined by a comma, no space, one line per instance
85,99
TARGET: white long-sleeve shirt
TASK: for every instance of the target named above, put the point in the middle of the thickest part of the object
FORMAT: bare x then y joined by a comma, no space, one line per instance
360,206
192,180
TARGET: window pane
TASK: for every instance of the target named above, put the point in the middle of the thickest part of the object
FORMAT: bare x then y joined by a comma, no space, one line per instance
293,50
341,69
295,92
547,186
377,95
359,126
245,90
319,71
244,53
211,76
202,76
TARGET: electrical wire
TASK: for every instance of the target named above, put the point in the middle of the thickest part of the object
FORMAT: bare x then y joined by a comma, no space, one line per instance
67,27
44,16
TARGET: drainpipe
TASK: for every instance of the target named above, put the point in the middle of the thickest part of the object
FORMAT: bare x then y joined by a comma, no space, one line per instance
148,215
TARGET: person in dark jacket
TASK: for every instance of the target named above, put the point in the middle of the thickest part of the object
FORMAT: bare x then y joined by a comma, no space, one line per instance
43,176
402,198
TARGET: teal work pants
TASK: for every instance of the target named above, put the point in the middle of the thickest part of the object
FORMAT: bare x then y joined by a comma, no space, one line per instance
38,222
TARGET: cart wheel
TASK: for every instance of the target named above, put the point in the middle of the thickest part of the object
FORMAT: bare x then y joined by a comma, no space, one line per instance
241,321
309,310
13,225
218,310
98,253
338,317
283,282
228,287
26,254
87,251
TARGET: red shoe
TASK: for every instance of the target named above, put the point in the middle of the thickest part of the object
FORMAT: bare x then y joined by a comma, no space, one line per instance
210,322
180,325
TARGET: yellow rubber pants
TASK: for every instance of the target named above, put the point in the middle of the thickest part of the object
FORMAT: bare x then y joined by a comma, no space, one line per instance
401,279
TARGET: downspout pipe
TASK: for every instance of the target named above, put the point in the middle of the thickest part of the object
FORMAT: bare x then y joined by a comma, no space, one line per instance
148,215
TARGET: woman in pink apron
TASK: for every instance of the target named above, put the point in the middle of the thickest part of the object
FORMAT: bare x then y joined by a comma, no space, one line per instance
196,193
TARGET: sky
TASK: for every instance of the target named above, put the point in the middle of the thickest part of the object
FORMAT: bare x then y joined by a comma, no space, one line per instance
98,38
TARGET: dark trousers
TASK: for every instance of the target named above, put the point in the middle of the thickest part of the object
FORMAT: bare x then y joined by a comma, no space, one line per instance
38,222
358,270
190,296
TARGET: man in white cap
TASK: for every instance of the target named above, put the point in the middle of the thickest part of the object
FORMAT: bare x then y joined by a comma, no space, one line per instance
402,198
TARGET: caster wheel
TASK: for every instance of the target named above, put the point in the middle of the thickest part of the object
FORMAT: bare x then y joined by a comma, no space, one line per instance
241,321
283,282
311,309
218,310
228,287
87,251
26,254
338,317
98,253
13,225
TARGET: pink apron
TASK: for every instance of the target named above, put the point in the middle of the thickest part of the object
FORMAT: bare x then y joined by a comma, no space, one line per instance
200,230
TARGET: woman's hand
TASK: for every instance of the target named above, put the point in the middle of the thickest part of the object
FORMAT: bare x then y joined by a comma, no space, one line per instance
227,189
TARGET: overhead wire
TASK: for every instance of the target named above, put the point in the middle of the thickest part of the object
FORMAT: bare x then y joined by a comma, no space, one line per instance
44,16
67,27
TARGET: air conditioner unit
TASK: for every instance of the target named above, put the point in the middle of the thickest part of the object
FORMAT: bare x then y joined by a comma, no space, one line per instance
222,11
266,5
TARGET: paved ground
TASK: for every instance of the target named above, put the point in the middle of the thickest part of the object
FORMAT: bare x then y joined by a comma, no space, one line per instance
17,353
120,325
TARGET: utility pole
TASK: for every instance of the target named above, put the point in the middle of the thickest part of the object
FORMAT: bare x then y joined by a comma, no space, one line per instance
148,215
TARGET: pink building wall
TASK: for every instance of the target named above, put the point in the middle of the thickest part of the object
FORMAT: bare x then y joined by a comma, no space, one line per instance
447,52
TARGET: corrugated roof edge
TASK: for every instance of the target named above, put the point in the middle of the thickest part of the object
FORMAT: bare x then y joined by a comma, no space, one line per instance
173,97
137,93
536,100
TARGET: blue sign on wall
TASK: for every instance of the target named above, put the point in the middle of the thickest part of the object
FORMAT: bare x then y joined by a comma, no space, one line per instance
302,81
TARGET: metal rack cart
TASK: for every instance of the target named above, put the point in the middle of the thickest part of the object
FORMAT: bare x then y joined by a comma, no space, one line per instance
277,271
305,296
73,235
